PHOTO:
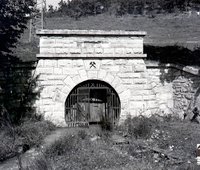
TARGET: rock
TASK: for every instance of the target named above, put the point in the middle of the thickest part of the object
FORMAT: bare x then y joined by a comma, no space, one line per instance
95,138
117,140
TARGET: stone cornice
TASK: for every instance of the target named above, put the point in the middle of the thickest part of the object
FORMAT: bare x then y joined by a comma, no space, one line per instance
57,55
187,69
65,32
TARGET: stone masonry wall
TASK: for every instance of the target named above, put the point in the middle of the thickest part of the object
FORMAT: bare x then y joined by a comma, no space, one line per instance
65,61
59,77
70,57
176,88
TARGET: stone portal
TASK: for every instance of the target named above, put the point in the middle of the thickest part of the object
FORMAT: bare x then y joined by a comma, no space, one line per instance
68,58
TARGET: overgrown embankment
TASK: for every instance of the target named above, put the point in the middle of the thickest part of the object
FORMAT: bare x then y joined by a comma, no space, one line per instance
140,143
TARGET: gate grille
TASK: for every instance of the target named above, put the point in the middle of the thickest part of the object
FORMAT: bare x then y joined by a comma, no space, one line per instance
91,101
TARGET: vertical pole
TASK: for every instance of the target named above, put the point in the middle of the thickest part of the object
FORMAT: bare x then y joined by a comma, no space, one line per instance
42,16
30,30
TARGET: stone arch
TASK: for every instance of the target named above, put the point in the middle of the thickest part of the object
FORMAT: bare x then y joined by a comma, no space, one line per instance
103,75
90,100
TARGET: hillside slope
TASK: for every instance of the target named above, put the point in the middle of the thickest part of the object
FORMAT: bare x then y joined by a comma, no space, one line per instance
162,30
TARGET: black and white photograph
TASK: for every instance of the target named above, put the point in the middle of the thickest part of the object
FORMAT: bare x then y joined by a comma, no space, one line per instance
99,84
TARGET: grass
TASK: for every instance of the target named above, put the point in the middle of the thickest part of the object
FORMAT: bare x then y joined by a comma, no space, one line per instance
162,30
169,143
28,134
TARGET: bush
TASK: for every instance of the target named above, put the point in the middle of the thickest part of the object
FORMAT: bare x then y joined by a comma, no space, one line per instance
32,132
106,123
39,163
80,8
62,146
27,135
82,134
139,127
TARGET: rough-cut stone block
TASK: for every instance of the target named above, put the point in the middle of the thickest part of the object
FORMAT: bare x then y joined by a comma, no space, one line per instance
50,63
66,63
69,81
140,81
40,63
149,97
77,79
109,78
69,71
99,50
137,105
120,88
139,68
83,74
102,74
57,71
119,50
66,89
137,97
116,82
107,62
125,94
127,81
62,50
55,77
126,69
44,50
120,62
75,50
92,74
114,68
59,97
45,70
108,50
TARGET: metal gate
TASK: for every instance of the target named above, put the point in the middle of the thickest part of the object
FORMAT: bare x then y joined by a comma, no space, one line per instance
91,101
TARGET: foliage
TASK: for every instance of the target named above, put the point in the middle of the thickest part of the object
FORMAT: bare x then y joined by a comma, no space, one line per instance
173,54
29,134
80,8
63,146
75,153
18,92
106,123
13,21
139,127
39,163
17,86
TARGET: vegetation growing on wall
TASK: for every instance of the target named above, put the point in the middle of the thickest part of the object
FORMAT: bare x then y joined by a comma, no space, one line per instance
173,54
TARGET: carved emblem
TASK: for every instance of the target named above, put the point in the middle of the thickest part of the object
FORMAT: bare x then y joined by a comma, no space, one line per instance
92,64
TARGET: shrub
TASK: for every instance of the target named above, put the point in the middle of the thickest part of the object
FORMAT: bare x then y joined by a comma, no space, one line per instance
82,134
139,127
62,146
39,163
28,134
106,123
32,132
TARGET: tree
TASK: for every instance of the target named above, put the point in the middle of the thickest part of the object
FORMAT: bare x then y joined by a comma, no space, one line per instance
14,15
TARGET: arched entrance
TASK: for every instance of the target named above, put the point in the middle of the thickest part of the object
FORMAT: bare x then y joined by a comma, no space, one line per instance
90,101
